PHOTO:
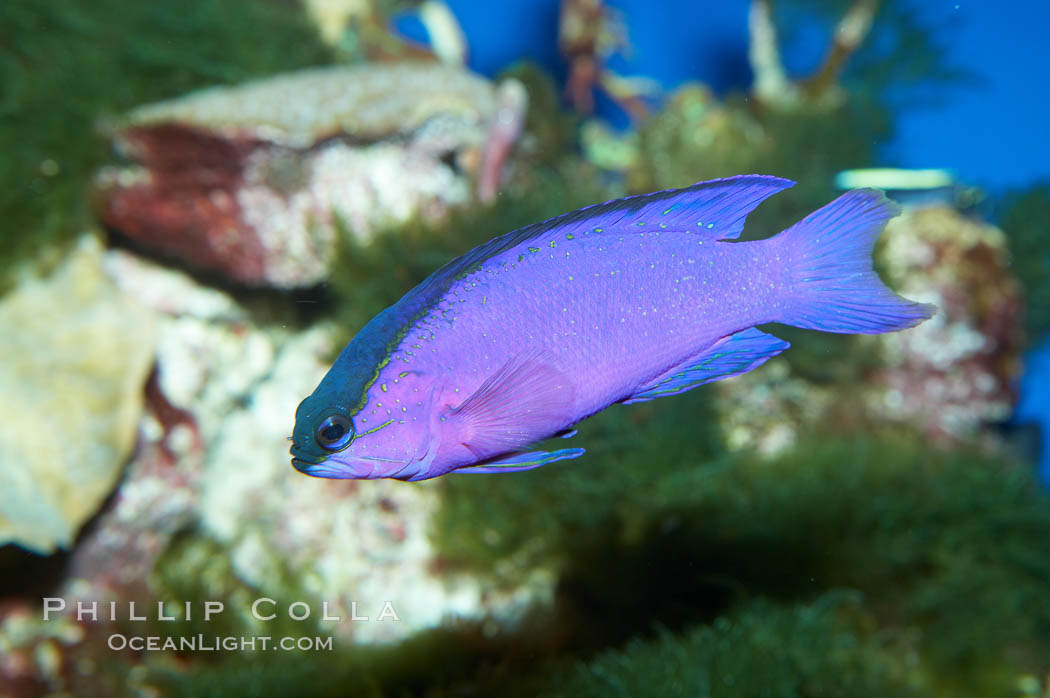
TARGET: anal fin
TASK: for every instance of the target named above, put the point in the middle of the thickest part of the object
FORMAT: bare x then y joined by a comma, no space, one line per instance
730,356
522,461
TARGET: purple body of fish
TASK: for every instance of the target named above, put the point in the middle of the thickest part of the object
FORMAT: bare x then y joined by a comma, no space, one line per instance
639,298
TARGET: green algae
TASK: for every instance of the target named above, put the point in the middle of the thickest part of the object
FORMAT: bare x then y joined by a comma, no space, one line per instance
822,648
459,660
856,567
696,138
948,549
68,66
1024,219
605,495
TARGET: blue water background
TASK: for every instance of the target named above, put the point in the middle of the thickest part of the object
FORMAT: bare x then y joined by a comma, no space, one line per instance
1033,407
992,132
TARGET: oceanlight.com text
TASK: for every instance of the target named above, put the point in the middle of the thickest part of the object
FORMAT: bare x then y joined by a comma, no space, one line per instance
212,643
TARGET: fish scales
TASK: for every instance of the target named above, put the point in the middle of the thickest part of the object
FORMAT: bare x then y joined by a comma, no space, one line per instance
612,317
522,338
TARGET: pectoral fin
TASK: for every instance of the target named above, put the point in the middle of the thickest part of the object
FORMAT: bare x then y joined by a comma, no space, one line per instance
522,402
522,461
730,356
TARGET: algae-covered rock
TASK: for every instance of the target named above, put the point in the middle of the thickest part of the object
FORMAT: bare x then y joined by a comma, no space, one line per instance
255,181
81,63
696,137
75,356
956,372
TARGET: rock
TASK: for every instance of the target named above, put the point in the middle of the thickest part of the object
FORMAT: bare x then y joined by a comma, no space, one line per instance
955,372
765,410
369,102
35,655
75,357
254,181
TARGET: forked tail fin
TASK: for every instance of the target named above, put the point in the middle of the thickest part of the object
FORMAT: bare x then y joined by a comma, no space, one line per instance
834,287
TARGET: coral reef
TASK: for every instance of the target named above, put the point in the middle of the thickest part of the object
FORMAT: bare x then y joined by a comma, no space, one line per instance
250,181
34,654
72,397
863,565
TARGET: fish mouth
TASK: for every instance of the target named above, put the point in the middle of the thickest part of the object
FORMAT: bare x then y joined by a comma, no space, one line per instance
361,468
303,466
319,470
303,461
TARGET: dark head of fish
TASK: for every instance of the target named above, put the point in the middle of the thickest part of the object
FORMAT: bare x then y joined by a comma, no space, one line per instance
324,421
321,429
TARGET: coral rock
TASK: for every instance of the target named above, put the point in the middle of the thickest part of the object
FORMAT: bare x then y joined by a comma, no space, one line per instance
74,359
954,372
254,181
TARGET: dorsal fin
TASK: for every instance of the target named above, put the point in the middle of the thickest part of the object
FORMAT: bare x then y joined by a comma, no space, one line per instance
715,209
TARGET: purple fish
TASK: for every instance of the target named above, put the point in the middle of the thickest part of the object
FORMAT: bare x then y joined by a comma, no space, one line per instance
648,296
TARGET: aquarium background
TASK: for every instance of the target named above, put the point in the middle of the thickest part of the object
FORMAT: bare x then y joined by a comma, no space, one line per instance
178,268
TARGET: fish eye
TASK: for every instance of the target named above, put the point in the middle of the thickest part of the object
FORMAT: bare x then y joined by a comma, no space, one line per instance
334,432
